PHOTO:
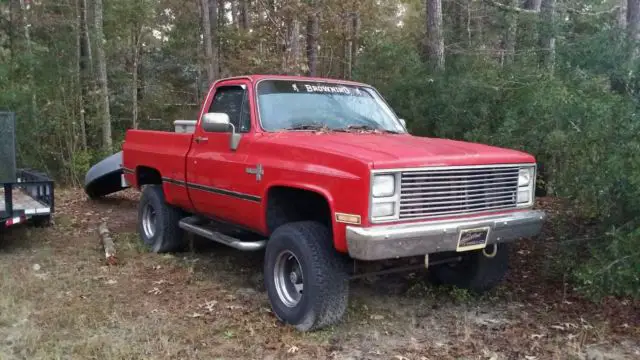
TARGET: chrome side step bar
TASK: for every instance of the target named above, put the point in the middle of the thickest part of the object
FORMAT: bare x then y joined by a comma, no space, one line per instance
191,224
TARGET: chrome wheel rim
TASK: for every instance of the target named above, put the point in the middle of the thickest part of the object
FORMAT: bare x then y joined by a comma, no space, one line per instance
288,277
149,221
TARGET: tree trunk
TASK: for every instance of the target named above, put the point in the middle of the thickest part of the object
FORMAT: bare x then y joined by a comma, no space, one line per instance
12,50
294,47
271,7
355,39
435,36
548,34
31,75
221,12
79,82
511,34
479,33
87,53
102,78
214,16
25,24
532,5
531,24
234,13
245,20
137,37
622,14
313,31
348,48
633,20
208,43
86,64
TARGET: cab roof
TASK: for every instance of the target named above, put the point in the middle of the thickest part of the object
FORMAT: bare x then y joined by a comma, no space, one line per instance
257,77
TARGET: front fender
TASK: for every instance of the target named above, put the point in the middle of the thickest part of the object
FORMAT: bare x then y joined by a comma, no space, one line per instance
338,229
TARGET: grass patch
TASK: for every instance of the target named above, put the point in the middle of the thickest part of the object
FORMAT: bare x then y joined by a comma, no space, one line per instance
156,306
129,242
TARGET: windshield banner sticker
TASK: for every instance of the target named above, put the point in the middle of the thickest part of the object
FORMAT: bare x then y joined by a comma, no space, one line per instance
284,86
327,89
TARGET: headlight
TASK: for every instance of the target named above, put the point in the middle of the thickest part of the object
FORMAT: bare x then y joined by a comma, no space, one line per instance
383,185
524,176
384,197
524,196
383,209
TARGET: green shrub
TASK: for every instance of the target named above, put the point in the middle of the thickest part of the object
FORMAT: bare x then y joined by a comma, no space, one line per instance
614,267
583,134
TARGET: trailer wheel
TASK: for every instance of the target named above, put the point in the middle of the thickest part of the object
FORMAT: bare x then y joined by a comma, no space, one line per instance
478,271
305,277
158,221
41,221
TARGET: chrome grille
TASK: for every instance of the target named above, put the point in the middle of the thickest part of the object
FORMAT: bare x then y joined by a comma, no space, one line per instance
439,192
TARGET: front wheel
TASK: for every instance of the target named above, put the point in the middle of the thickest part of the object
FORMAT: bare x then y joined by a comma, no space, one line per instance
478,271
305,278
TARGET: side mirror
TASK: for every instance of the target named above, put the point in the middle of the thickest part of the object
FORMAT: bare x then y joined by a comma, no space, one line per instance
220,122
216,122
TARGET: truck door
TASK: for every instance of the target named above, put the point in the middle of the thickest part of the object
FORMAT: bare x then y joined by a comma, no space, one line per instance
215,172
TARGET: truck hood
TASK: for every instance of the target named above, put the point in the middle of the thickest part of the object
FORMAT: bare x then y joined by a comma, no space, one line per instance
385,151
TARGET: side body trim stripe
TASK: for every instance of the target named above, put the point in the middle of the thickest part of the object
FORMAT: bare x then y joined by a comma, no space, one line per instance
173,181
224,192
214,190
210,189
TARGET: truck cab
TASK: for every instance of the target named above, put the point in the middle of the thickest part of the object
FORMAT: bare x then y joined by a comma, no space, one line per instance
320,173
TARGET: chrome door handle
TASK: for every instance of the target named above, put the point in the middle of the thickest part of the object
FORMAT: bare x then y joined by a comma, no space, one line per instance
201,139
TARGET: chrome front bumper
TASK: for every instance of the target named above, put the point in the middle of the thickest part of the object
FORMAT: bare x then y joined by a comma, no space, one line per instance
394,241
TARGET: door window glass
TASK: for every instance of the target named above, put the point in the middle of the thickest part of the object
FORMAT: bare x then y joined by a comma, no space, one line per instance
233,101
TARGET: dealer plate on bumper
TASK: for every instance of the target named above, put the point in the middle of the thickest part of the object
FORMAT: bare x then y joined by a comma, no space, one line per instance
473,239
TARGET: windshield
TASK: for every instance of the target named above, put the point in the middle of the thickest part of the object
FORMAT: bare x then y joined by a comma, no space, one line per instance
305,105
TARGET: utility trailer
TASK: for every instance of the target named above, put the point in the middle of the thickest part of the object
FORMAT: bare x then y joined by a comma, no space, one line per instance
25,195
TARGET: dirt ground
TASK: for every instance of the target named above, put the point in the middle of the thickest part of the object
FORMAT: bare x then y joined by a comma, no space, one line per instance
58,300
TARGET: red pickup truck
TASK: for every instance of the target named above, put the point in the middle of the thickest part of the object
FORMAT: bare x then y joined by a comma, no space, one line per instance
320,173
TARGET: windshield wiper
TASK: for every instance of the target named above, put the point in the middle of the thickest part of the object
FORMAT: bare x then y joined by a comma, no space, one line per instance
368,128
307,127
360,127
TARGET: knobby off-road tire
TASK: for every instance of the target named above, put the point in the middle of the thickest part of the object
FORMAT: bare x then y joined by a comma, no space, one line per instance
476,272
324,296
158,221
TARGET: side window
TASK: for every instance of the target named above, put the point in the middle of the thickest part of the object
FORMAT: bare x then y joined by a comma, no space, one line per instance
234,101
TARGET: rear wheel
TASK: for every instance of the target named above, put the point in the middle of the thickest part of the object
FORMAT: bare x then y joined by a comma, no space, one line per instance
305,278
478,271
158,221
